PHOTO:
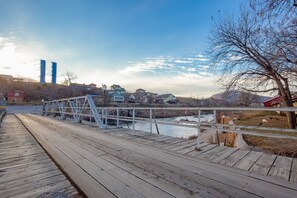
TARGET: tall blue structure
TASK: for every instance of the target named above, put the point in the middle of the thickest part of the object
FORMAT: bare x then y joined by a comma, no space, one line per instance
42,71
54,73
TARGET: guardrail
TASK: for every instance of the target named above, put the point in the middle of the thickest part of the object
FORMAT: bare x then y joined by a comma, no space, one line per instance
84,108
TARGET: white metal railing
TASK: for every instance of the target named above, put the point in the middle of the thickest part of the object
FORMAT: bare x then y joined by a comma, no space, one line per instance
84,108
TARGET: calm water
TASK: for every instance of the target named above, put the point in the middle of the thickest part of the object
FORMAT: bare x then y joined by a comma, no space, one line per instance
174,131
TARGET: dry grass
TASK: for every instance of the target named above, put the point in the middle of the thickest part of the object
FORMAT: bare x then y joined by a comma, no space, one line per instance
285,147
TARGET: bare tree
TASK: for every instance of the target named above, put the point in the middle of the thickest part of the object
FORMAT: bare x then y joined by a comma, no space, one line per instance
68,78
247,98
253,56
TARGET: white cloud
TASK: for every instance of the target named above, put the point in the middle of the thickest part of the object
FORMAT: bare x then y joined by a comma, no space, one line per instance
149,65
193,63
191,69
183,61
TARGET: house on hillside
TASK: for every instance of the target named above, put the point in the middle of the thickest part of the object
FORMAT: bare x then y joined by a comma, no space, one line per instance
117,94
140,90
141,96
130,98
165,99
92,85
15,96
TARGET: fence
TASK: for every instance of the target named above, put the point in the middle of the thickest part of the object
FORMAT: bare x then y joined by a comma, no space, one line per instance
84,108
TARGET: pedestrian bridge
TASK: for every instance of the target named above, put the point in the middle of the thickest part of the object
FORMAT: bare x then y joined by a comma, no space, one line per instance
110,161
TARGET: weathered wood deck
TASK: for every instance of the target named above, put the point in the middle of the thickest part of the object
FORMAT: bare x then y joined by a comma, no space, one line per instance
280,167
25,169
116,164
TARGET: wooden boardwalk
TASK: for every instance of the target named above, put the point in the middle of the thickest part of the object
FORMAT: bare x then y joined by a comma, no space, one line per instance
283,168
114,164
25,169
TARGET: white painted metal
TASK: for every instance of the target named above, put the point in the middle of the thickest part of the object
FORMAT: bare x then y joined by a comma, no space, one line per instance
198,129
84,107
151,120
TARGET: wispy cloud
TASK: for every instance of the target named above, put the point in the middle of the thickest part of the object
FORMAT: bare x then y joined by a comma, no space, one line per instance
193,63
184,76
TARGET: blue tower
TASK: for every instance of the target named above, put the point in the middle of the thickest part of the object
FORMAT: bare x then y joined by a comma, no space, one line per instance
54,73
42,71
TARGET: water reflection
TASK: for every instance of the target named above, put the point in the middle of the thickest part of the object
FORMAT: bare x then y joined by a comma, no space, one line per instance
174,131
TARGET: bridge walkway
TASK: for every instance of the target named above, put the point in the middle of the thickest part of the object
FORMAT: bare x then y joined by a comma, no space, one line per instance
117,164
280,167
25,168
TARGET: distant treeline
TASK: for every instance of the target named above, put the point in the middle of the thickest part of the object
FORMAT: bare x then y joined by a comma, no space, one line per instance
36,92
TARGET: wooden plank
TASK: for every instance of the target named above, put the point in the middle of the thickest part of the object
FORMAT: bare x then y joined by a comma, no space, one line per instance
57,189
173,188
16,151
222,155
263,164
25,180
235,157
184,142
293,176
249,160
26,174
20,154
203,149
211,153
22,160
189,144
173,141
33,184
187,150
281,168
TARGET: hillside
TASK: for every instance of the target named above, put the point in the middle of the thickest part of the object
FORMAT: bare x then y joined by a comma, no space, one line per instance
239,98
36,92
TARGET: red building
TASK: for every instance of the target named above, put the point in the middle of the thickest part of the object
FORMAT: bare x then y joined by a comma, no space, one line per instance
277,101
15,96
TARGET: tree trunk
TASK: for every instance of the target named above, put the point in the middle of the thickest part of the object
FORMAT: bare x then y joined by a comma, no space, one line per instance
285,93
291,117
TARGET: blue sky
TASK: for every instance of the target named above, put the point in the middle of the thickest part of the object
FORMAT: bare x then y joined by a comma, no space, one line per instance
158,45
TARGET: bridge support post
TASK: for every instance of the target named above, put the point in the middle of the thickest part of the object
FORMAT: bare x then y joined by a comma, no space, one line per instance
106,115
133,115
198,130
151,120
118,117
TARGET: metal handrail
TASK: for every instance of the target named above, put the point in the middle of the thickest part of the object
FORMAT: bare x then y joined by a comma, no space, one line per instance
80,108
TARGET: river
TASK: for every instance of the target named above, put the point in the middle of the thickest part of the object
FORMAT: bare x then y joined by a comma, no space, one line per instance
174,131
